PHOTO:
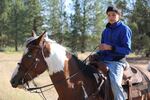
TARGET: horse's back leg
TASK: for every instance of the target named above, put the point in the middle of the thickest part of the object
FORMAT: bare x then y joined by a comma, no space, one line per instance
143,97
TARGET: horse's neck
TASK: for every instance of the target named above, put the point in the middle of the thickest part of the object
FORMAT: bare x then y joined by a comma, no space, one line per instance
63,84
65,72
73,81
70,68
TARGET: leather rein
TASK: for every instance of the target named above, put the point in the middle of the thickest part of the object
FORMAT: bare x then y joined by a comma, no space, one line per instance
33,66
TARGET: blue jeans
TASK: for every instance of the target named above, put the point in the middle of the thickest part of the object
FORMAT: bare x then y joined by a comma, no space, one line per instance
116,69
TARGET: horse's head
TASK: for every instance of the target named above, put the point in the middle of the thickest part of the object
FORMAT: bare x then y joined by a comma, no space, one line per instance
32,63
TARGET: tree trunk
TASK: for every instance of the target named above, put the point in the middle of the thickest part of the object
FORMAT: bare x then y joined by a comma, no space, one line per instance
34,25
16,41
16,33
82,43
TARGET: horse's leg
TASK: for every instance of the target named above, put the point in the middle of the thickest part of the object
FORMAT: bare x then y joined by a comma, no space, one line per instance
143,97
147,97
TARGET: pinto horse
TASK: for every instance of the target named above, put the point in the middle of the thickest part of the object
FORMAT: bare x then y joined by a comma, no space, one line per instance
72,79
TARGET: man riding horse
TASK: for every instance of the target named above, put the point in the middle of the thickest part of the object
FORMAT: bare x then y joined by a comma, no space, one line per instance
115,45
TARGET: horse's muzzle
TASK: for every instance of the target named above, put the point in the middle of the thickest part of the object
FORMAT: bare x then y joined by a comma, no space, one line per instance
13,83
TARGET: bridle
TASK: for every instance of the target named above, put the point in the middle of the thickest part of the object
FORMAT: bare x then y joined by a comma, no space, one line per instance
33,66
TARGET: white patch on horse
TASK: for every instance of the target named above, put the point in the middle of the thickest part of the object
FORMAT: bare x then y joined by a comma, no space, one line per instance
57,57
15,72
25,51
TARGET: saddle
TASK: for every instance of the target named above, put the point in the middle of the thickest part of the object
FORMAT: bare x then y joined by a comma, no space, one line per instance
133,74
135,81
130,73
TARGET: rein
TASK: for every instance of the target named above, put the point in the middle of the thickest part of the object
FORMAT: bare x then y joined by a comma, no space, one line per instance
33,65
71,76
34,90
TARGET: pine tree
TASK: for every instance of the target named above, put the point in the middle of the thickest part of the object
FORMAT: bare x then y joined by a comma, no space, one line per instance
24,17
140,17
4,19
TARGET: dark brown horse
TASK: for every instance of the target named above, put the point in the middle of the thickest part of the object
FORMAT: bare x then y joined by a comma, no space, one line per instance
72,79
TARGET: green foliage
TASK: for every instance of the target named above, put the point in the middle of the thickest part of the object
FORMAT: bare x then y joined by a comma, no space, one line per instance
74,29
78,27
55,18
18,19
88,20
139,21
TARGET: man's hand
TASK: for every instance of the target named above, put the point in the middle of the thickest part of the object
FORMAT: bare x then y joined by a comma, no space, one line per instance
93,57
105,47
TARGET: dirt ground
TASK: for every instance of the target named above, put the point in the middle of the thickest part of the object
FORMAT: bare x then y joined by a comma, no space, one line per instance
8,63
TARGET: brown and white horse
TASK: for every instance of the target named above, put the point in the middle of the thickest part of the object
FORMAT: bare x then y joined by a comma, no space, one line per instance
72,79
42,53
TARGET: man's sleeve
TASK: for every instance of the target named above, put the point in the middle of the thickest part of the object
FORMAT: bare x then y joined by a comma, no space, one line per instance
125,49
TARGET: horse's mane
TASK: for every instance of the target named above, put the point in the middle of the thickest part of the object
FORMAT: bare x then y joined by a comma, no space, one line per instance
87,70
30,41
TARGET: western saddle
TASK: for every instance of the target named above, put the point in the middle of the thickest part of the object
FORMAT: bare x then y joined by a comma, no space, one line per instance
131,75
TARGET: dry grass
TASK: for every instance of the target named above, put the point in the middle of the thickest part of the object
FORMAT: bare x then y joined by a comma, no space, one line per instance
7,65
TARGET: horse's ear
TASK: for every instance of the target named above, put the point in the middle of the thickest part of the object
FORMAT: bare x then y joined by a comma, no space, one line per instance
40,39
33,33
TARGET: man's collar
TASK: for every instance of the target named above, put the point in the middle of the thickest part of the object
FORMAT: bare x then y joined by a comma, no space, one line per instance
114,25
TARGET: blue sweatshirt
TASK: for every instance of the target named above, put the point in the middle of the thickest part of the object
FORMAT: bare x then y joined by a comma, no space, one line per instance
118,35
